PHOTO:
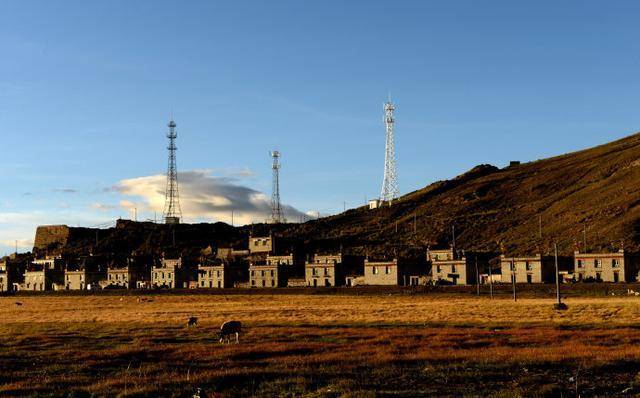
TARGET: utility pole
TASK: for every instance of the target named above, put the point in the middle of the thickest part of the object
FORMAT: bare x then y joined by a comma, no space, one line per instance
513,279
232,218
490,282
344,206
477,277
453,239
555,247
540,226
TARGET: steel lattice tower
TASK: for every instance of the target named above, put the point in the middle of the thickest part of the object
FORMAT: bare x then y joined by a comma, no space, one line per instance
172,212
276,209
390,182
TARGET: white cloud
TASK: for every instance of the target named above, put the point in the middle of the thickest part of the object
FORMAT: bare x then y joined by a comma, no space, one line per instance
203,197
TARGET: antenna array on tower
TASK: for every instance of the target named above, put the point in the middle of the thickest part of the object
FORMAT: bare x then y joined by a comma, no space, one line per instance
276,209
390,181
172,211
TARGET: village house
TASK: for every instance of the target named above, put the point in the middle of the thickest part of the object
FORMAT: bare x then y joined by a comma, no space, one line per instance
332,270
261,244
531,269
399,272
43,274
126,275
86,274
230,254
219,274
169,273
449,268
354,280
4,276
11,274
262,274
605,267
275,270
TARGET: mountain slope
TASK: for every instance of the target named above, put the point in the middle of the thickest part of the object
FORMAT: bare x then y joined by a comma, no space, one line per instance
597,189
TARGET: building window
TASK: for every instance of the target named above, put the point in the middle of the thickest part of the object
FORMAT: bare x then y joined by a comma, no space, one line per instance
453,269
273,282
615,263
375,269
272,273
326,271
580,264
387,270
512,266
262,273
528,266
253,282
438,269
598,263
252,273
218,273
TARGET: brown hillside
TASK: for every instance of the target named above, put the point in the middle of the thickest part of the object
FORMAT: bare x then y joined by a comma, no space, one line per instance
597,189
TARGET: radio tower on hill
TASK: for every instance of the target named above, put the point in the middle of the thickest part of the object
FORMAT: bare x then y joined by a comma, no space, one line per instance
390,181
172,212
276,209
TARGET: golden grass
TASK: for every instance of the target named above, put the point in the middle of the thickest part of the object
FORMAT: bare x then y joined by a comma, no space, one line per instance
321,310
315,345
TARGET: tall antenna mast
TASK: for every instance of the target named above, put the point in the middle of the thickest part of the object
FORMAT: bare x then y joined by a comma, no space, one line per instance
390,181
172,211
276,209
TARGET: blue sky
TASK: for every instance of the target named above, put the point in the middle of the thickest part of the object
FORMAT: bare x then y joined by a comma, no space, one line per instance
86,89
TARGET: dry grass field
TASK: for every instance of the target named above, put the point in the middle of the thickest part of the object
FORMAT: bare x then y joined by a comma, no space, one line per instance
318,346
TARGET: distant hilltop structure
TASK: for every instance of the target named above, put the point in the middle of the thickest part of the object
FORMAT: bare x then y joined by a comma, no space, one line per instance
51,235
172,212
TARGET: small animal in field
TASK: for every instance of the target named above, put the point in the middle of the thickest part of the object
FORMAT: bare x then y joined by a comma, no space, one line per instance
192,321
18,303
228,329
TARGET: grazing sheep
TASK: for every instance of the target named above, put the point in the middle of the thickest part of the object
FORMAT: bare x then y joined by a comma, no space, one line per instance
228,329
192,321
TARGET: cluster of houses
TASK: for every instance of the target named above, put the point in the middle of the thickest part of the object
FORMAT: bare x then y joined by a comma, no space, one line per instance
268,265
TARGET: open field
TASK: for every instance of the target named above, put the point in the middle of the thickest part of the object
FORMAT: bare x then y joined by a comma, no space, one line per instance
306,345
